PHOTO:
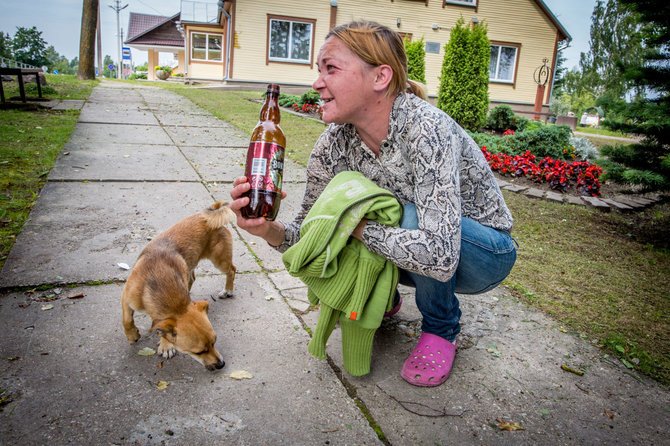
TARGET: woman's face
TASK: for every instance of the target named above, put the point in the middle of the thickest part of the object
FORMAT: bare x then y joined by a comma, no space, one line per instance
344,83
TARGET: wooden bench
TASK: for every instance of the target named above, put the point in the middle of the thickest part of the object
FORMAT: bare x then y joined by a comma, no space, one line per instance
20,72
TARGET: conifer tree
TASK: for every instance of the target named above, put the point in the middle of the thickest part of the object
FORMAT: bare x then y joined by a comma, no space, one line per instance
464,82
416,60
647,163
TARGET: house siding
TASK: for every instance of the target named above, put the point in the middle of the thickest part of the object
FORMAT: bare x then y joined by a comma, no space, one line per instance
518,22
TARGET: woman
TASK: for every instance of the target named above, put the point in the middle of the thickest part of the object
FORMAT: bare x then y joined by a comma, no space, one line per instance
454,235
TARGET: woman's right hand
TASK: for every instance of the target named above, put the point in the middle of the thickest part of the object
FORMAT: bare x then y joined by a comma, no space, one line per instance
272,232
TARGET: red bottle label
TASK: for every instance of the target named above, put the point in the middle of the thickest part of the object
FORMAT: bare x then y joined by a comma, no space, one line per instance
265,166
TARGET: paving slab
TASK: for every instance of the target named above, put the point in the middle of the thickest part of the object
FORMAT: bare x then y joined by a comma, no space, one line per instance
122,162
225,136
224,164
97,133
94,112
73,377
191,119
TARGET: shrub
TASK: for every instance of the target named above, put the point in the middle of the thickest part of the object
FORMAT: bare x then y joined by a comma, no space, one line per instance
546,140
464,80
286,100
501,118
584,148
416,64
137,76
310,97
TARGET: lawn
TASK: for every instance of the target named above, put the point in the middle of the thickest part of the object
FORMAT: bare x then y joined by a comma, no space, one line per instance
30,141
602,276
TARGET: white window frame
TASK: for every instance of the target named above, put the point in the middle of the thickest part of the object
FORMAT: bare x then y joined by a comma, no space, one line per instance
514,64
461,2
290,43
206,34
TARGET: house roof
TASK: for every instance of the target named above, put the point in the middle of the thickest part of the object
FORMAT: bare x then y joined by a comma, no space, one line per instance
561,29
146,29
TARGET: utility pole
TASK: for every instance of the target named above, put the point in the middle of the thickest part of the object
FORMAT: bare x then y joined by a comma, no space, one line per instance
99,43
118,9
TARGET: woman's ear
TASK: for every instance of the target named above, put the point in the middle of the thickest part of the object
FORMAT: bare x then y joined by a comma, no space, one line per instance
383,77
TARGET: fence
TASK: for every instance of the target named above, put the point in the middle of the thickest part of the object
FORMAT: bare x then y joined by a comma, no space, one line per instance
9,63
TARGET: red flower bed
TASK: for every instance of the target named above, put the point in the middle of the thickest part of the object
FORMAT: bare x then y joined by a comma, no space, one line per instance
308,108
559,174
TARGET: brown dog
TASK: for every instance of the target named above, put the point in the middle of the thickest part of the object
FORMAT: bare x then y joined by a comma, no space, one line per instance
161,280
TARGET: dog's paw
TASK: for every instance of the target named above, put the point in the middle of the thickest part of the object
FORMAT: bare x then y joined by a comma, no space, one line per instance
166,349
133,335
225,294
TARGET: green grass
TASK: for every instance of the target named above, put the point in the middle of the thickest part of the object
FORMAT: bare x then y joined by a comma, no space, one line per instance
30,141
600,131
598,274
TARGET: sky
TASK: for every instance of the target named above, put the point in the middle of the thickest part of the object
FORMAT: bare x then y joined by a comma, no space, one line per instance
60,23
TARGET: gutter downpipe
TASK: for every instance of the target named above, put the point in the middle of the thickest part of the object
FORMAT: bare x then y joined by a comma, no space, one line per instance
228,36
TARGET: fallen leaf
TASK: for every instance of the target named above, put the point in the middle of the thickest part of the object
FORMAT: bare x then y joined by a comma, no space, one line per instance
609,414
47,307
493,350
571,370
509,426
241,374
147,351
76,296
562,330
123,266
627,364
161,385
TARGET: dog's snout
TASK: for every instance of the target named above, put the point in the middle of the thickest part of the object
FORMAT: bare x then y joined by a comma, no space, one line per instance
220,364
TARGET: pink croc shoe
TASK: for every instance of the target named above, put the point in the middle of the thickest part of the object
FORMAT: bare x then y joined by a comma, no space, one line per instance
430,362
398,303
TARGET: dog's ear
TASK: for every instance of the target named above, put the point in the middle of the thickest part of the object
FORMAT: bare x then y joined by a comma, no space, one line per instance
202,305
164,327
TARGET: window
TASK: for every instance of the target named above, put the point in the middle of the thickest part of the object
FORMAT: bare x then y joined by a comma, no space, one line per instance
290,41
206,46
503,63
462,2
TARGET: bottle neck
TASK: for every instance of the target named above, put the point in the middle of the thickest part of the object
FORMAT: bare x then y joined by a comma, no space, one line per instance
270,109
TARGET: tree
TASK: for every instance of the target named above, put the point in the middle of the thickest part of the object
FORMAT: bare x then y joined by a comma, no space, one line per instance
615,39
647,163
464,82
416,63
89,21
5,45
29,47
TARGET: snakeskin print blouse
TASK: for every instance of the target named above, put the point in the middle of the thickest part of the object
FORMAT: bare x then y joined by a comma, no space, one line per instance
427,159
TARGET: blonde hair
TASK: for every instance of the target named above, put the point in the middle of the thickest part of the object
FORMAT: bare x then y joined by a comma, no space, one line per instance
379,45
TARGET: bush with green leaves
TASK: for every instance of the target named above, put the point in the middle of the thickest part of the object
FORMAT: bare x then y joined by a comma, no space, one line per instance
286,100
464,83
546,140
310,97
501,118
416,60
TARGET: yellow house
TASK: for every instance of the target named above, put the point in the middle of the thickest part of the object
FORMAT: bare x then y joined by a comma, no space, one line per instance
261,41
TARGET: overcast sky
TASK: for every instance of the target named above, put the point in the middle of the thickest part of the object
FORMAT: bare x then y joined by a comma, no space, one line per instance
60,23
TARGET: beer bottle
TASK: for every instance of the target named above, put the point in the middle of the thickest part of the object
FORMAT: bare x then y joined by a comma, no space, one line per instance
265,161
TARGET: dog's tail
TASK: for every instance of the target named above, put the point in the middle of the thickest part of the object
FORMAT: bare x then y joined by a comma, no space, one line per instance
218,214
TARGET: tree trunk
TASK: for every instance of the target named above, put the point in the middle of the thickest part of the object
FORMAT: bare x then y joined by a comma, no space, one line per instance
89,20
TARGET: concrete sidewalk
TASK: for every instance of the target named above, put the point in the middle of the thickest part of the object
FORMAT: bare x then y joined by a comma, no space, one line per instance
141,158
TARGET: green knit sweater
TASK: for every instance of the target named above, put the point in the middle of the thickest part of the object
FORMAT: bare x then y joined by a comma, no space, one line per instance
352,284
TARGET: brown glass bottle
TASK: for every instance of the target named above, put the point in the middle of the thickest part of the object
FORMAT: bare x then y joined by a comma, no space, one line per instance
265,161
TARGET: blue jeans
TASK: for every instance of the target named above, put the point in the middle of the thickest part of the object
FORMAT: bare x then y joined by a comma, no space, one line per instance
487,257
